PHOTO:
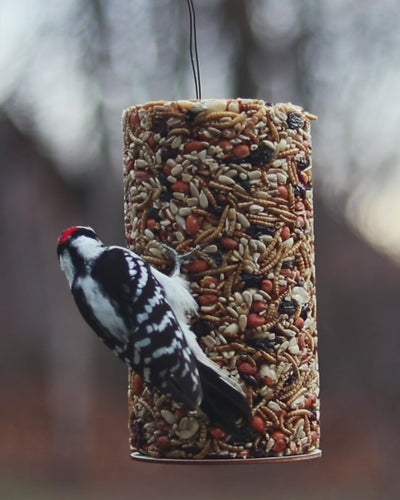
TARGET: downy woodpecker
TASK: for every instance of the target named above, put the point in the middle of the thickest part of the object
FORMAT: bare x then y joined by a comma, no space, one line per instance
142,315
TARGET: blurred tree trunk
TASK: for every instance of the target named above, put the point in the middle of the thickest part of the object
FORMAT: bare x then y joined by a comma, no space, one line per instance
235,23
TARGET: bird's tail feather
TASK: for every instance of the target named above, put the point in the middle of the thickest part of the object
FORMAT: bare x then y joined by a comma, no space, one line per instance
222,403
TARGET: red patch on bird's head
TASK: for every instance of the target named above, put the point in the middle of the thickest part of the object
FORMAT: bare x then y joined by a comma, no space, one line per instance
66,235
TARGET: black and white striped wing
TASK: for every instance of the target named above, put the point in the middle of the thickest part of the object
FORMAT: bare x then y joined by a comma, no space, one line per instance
145,332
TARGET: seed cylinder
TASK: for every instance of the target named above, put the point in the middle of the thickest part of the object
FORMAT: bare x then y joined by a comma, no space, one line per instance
234,177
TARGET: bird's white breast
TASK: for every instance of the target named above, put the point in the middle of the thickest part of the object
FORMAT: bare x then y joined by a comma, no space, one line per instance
102,308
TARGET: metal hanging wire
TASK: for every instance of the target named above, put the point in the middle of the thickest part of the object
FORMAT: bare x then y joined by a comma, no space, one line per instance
194,54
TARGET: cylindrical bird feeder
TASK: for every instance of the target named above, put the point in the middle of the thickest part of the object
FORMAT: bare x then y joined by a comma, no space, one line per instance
232,176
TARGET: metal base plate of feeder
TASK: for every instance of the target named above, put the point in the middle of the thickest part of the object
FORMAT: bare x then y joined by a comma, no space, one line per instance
226,461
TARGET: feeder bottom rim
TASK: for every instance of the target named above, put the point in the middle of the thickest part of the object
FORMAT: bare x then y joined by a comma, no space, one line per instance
226,461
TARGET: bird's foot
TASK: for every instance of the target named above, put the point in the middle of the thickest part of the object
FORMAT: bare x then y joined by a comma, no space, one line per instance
179,259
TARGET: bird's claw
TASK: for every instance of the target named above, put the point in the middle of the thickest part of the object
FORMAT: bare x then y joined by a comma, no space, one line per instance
179,259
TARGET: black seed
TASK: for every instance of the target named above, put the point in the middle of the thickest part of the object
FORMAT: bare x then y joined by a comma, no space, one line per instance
291,379
255,231
242,436
191,448
304,311
138,440
250,380
288,307
202,327
300,191
154,214
217,257
252,280
216,210
245,183
261,344
261,156
163,179
166,195
191,115
288,264
160,126
294,121
257,399
259,451
303,163
168,154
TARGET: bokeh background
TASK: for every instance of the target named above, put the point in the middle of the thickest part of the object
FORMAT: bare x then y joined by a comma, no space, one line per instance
68,68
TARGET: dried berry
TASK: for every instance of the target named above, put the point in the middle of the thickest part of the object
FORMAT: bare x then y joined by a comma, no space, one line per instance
258,424
291,379
241,151
258,306
163,442
194,146
191,448
142,175
294,121
229,243
217,257
267,286
167,169
207,299
261,156
302,163
257,398
217,209
218,433
254,320
250,380
181,187
262,344
288,307
256,230
138,384
168,154
279,446
285,233
138,439
134,119
160,126
192,225
247,368
252,280
242,436
226,146
245,183
283,191
304,311
163,177
288,264
259,451
166,195
300,191
197,266
299,322
154,214
209,282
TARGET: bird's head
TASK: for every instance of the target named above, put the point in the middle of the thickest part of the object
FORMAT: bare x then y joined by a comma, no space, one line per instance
76,246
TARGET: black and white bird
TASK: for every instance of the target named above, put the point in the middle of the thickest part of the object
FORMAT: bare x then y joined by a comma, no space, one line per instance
142,315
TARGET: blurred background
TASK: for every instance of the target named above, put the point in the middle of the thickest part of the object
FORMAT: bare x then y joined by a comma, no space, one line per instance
68,69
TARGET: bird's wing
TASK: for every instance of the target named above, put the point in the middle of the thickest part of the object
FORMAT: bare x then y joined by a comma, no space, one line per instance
152,342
